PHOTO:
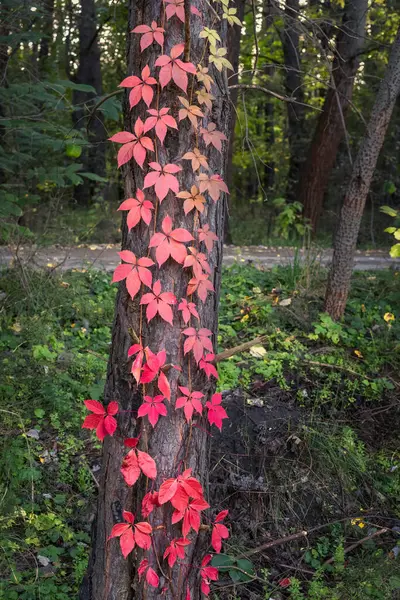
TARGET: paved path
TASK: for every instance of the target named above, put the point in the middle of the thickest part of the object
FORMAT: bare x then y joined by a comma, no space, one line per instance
104,256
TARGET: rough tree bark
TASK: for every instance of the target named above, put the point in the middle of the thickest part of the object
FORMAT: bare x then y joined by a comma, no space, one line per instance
89,73
354,200
330,127
294,88
173,443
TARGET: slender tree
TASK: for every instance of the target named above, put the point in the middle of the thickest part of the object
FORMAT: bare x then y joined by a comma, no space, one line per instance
354,200
331,124
234,36
174,443
294,88
89,73
47,9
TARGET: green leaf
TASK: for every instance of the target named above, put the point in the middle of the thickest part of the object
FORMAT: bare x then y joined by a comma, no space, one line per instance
73,150
79,87
388,210
223,562
8,209
395,251
94,177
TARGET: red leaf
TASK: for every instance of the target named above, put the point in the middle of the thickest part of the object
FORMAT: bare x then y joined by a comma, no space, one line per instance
130,468
150,35
149,503
173,67
95,406
219,533
163,385
127,542
207,236
197,341
147,464
169,243
152,578
216,413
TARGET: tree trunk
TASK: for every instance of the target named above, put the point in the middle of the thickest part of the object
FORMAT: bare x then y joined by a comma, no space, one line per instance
234,35
173,443
330,127
354,200
294,88
89,73
47,30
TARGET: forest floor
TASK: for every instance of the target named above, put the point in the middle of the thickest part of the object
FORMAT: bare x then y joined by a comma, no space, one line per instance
311,445
104,256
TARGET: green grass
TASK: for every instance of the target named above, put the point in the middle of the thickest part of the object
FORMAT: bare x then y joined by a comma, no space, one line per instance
55,333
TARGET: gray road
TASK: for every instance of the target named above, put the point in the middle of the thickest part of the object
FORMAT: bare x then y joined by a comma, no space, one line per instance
104,256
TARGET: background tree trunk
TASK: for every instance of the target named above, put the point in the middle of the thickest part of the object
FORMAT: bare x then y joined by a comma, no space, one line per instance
47,29
173,443
294,88
354,201
234,36
330,127
89,73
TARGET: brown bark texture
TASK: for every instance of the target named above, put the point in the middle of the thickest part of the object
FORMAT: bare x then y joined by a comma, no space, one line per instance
331,124
354,200
172,443
89,73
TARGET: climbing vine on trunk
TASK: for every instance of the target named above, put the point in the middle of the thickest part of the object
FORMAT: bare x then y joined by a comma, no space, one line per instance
168,302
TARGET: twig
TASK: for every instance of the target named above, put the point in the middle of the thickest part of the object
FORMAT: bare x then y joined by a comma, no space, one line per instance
278,542
95,109
216,15
356,544
241,348
187,30
315,363
300,569
260,88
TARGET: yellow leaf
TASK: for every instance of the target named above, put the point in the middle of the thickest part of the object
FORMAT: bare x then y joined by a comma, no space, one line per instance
258,351
389,317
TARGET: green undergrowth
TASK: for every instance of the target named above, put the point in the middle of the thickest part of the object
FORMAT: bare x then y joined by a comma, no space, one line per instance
54,342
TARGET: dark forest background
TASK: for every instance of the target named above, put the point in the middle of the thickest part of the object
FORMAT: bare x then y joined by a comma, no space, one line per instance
307,75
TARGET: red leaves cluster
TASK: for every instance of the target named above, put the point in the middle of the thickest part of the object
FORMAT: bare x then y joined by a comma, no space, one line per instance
216,413
139,209
151,576
137,462
141,88
134,146
170,243
159,303
172,67
207,574
163,179
135,272
190,401
160,120
197,341
102,419
220,531
131,535
153,408
150,34
176,550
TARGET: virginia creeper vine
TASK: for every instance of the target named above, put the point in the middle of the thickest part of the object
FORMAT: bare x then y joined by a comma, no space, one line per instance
181,490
